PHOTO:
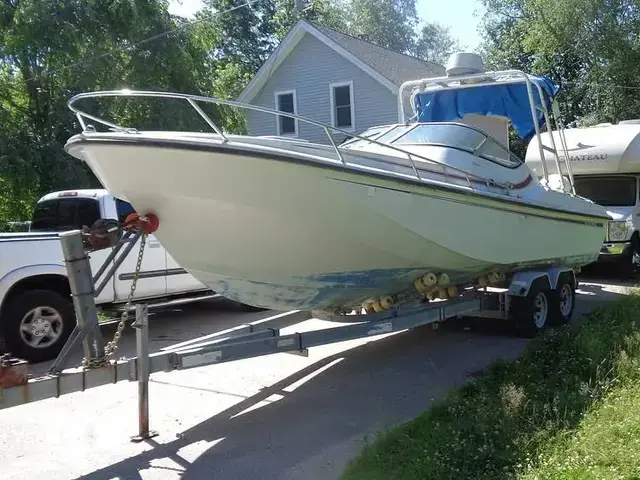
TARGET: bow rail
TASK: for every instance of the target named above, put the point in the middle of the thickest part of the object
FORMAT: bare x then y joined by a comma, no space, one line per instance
193,100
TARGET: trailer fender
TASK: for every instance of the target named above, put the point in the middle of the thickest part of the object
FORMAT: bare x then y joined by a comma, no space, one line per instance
521,282
555,273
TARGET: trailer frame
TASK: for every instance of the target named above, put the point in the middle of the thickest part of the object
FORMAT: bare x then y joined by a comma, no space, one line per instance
256,339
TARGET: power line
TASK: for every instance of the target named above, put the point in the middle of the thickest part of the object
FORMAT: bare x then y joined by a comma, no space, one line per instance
143,41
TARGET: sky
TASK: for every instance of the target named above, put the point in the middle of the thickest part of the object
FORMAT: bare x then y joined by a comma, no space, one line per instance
461,16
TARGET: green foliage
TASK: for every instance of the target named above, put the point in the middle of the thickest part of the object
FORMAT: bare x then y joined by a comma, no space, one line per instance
245,35
604,446
51,50
396,25
389,23
330,13
590,47
435,43
507,422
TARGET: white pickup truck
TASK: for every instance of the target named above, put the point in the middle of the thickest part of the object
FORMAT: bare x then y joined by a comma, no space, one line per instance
36,311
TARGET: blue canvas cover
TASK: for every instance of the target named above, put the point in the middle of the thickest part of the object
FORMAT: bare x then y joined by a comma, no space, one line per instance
508,99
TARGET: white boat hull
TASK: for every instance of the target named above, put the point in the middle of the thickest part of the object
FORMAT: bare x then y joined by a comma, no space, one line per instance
292,235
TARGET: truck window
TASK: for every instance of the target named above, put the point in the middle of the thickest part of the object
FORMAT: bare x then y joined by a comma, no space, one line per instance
608,191
123,208
63,214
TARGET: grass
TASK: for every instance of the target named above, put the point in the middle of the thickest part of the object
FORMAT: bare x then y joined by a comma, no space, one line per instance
108,317
568,408
605,445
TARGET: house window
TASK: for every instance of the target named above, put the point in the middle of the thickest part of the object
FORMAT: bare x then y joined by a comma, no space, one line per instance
342,110
286,102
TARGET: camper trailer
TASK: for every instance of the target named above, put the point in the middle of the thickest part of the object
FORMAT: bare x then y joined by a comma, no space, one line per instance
605,164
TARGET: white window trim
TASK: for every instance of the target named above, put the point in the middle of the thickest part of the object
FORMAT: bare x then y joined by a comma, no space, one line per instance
295,112
333,105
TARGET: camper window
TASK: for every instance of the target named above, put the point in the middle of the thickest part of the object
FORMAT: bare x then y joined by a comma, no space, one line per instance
608,191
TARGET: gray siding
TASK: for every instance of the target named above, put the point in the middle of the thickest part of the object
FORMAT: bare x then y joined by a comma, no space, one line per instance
309,69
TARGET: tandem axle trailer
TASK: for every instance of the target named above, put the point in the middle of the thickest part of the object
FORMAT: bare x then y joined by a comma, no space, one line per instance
533,300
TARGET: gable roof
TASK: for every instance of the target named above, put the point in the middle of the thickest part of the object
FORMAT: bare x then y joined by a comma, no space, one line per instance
395,66
388,67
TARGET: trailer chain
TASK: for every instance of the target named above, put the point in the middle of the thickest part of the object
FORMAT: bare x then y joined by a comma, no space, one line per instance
112,346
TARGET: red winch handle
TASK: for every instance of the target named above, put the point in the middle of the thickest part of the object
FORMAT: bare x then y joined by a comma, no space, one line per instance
148,223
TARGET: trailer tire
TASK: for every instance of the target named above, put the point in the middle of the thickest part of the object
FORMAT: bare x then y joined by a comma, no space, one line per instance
563,300
56,315
531,314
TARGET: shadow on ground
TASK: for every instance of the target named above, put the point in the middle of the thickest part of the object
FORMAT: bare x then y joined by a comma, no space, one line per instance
170,325
312,431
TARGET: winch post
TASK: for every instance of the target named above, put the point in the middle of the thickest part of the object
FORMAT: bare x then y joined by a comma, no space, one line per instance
131,239
81,285
142,366
113,262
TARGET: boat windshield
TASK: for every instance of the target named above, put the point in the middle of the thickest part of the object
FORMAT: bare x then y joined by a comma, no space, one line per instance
379,134
459,136
444,134
454,135
369,133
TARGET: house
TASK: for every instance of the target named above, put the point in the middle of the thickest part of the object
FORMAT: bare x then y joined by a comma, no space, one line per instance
333,78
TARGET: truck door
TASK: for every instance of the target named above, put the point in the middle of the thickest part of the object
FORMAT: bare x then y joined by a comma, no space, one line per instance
153,272
179,281
69,211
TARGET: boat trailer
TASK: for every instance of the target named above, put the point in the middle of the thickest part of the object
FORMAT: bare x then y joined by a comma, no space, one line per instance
540,298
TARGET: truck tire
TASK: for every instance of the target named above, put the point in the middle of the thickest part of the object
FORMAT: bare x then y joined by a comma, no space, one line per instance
36,324
626,265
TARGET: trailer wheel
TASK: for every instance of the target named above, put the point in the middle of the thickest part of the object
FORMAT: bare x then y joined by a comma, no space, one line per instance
563,300
36,324
531,314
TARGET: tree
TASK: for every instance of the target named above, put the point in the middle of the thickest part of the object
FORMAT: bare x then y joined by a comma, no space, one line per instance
330,13
590,47
388,23
395,24
244,35
435,43
52,50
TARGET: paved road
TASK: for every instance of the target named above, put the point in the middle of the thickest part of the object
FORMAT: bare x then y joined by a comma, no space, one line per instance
276,417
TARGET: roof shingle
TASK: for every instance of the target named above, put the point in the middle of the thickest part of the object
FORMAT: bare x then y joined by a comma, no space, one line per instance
396,67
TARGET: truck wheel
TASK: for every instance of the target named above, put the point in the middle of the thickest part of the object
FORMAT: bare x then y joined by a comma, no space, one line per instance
626,265
563,300
36,324
531,314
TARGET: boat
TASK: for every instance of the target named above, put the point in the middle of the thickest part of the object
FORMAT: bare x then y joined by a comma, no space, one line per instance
423,207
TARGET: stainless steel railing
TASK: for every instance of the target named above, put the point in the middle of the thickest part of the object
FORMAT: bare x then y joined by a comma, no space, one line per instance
504,77
193,100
